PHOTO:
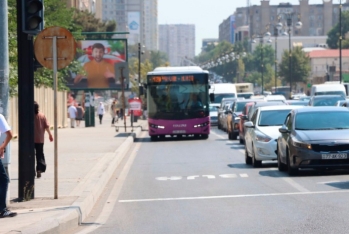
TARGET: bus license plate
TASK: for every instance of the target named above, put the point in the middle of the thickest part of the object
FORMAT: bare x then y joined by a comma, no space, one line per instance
179,131
334,156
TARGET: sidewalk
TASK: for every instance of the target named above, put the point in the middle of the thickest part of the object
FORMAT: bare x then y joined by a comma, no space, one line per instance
87,157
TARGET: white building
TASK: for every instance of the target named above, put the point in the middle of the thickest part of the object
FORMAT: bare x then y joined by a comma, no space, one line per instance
178,42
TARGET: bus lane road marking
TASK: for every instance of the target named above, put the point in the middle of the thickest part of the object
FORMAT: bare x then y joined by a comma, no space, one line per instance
196,177
235,196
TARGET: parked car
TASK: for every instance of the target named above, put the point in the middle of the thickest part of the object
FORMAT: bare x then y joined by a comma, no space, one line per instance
222,121
214,114
263,131
325,100
314,138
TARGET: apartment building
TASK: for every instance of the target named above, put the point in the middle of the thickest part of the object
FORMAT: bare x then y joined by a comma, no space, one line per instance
178,42
317,19
94,6
138,17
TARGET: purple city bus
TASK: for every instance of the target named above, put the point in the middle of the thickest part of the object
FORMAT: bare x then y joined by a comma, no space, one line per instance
178,102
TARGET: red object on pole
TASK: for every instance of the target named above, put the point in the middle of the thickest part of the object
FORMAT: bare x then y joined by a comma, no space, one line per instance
135,104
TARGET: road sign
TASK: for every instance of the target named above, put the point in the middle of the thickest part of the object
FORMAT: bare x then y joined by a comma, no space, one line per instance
66,47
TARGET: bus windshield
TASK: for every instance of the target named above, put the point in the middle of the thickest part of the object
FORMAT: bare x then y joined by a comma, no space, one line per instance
178,100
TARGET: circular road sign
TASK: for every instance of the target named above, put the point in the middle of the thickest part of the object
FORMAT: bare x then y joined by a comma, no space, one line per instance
66,47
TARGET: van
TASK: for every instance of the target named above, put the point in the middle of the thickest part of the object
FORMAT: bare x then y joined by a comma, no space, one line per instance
328,89
223,90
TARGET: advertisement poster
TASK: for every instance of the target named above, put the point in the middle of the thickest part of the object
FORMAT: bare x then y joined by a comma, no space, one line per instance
133,22
98,59
135,104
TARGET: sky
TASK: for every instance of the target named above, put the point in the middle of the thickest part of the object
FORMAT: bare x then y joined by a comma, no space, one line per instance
206,14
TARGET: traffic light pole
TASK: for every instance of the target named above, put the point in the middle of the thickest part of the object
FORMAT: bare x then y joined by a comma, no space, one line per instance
26,160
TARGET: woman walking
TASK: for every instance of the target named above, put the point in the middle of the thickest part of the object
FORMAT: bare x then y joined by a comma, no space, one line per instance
80,114
100,112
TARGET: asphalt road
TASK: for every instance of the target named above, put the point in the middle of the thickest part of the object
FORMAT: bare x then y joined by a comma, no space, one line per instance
204,186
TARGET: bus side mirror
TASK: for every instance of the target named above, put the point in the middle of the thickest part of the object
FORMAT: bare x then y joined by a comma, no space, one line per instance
141,90
212,97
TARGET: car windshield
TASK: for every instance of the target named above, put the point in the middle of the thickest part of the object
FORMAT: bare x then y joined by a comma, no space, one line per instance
213,108
272,117
330,93
239,107
324,120
245,95
218,97
330,101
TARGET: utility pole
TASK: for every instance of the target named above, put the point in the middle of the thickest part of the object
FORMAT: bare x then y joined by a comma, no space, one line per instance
26,158
4,76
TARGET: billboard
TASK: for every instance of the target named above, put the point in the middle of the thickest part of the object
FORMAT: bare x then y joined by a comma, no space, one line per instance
133,22
98,59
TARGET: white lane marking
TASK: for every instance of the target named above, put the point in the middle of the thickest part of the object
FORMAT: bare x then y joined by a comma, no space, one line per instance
218,135
169,178
192,177
227,176
243,175
294,184
113,197
209,176
234,196
329,182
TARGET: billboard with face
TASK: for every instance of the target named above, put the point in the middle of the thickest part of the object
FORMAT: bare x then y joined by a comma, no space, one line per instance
98,59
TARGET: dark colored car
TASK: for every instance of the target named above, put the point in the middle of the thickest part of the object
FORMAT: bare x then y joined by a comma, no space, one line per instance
314,138
221,110
325,100
237,108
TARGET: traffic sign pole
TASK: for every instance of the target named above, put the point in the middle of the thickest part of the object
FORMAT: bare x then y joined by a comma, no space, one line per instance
54,52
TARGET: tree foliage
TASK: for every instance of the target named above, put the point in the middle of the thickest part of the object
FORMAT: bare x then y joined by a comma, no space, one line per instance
333,35
300,66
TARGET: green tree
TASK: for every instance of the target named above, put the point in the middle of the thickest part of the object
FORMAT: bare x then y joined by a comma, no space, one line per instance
300,65
158,58
333,34
255,77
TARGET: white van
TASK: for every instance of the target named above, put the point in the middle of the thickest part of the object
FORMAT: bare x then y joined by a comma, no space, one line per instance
328,89
223,90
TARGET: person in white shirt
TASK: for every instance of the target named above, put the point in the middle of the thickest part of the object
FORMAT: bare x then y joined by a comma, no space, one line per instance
4,129
72,111
100,111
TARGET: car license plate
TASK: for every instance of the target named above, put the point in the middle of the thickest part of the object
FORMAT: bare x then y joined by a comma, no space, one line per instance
334,156
179,131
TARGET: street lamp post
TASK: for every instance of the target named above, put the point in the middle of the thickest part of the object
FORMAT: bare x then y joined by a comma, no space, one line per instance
262,65
139,67
276,34
340,41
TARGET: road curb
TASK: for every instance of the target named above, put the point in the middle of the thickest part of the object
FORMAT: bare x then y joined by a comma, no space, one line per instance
90,192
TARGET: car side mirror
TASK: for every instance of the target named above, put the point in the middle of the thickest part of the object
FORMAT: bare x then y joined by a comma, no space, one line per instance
284,129
249,124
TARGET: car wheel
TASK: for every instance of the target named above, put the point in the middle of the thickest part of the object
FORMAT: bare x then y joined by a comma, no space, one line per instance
229,136
241,141
291,171
255,162
248,159
204,136
281,166
234,136
153,138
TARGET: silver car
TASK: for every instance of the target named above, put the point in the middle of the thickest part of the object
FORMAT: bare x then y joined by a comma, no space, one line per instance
314,138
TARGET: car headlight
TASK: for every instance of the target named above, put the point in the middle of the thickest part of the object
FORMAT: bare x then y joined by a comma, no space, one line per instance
201,125
261,137
300,144
156,126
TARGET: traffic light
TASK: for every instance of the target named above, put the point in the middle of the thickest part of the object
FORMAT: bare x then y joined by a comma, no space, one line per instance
32,16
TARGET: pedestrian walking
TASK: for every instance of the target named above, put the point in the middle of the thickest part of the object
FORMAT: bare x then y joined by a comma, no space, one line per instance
79,114
100,112
4,180
72,115
121,113
40,126
113,113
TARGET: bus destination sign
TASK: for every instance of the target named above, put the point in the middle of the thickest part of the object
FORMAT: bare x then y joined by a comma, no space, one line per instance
160,79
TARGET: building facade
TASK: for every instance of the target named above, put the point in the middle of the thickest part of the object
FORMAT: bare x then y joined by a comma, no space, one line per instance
317,19
138,17
93,6
227,30
178,42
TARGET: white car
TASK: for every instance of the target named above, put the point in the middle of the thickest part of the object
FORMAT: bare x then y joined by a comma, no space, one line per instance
262,133
275,98
214,113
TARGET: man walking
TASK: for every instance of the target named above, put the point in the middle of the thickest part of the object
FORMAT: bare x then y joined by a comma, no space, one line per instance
4,129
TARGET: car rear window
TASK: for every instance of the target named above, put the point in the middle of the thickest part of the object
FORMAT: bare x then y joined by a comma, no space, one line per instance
324,120
273,117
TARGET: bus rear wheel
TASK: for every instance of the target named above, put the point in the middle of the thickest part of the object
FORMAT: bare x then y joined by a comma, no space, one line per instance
204,136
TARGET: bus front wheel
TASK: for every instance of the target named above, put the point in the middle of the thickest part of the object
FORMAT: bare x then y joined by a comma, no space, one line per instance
153,138
204,136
